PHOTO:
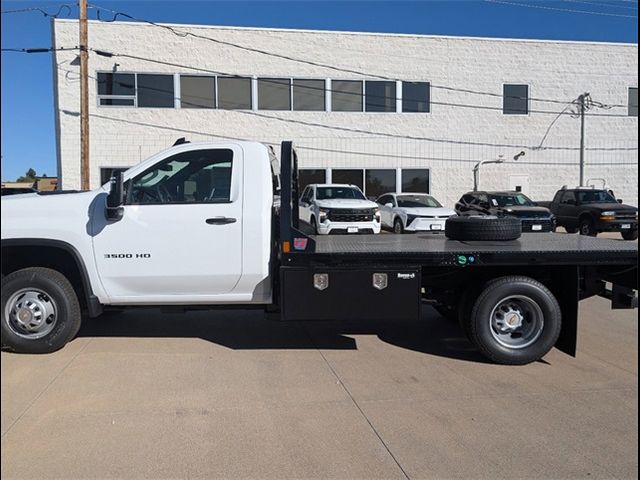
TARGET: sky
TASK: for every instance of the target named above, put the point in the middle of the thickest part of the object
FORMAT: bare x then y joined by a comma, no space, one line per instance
28,126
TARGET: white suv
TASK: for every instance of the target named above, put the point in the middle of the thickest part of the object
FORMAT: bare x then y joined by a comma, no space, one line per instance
338,209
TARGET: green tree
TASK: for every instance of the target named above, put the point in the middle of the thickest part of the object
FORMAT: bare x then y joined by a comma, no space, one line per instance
29,176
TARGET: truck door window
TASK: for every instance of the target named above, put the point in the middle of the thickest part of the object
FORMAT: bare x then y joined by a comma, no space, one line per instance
567,197
197,176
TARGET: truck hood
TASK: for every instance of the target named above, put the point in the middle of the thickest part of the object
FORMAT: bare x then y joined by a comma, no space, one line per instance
346,203
614,207
34,215
525,211
428,211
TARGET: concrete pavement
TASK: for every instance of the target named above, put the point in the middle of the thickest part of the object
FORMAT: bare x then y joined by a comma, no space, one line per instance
230,395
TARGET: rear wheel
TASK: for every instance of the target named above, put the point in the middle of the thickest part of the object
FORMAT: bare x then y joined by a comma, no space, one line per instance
630,235
587,227
40,311
398,227
515,320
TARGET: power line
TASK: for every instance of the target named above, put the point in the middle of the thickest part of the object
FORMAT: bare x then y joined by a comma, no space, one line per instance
567,10
38,50
301,146
601,4
184,34
66,7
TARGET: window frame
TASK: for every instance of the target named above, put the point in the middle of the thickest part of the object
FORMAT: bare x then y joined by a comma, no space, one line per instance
257,93
362,95
324,93
165,74
629,89
362,170
133,97
394,99
401,96
428,170
170,158
215,88
515,84
253,102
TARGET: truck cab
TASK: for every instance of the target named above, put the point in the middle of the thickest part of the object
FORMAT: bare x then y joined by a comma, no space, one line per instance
194,228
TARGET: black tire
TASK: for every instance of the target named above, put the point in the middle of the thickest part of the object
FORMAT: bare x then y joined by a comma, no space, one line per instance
571,229
539,329
630,235
398,226
314,225
57,293
587,227
483,228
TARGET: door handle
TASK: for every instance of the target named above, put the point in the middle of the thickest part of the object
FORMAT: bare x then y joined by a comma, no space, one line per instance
220,220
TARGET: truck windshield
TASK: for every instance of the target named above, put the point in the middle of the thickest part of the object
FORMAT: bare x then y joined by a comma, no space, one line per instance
409,201
329,193
510,200
595,196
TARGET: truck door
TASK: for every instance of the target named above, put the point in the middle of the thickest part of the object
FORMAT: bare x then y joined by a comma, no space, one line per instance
180,236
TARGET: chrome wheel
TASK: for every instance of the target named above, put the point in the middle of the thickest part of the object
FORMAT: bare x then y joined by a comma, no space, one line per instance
516,322
31,313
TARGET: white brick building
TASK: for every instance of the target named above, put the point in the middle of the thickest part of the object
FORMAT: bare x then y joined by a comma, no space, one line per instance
428,107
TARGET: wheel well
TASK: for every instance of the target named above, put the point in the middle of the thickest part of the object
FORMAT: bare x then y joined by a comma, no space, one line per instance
17,257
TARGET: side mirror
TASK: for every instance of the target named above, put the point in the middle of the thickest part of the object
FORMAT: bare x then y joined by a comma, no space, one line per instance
115,199
388,205
571,202
619,200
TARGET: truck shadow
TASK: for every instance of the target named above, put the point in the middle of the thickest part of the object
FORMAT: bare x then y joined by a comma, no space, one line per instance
249,330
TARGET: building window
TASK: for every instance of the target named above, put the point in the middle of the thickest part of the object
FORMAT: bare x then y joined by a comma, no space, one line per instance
234,93
307,176
416,97
116,89
155,90
346,96
633,102
107,172
415,180
348,177
379,182
380,96
274,94
308,95
515,99
197,91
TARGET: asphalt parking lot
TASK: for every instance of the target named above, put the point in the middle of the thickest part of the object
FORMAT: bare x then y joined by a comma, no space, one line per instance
231,395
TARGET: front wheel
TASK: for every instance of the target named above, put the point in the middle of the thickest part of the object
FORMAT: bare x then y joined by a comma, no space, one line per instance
571,229
398,227
630,235
40,311
514,321
587,227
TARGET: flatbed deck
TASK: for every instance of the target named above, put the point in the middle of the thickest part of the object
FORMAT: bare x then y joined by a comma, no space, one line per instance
436,249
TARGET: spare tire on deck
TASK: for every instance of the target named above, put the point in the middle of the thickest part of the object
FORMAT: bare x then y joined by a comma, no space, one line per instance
483,228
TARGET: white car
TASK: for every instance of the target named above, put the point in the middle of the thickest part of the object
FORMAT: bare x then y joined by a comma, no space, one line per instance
413,212
338,208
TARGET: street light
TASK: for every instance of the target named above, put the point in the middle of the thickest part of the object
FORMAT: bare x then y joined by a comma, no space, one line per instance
476,168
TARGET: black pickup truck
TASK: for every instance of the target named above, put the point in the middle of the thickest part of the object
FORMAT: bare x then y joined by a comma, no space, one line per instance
591,211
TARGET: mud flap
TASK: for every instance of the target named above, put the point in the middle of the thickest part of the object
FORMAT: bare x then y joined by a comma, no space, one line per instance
566,288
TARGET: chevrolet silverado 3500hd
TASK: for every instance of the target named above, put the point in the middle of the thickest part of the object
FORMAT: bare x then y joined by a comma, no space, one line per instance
217,224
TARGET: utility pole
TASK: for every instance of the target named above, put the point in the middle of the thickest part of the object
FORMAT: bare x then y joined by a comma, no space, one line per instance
84,97
583,100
